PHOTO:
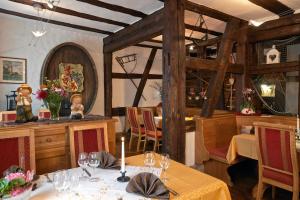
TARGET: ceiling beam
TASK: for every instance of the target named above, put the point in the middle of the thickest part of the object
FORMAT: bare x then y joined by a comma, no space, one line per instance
201,9
9,12
274,6
202,30
73,13
144,29
147,46
115,8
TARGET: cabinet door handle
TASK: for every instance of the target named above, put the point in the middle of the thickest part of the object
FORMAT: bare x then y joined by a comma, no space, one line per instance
48,140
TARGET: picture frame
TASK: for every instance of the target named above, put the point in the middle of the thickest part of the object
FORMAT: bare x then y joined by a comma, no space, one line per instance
13,70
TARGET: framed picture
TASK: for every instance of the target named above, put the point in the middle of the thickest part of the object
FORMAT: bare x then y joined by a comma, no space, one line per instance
13,70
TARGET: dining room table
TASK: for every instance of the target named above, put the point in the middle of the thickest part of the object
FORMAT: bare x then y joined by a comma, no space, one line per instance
183,182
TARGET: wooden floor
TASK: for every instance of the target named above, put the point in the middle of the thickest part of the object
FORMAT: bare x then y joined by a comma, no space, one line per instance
244,176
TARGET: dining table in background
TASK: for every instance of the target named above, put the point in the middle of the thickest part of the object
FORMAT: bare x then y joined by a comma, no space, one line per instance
184,182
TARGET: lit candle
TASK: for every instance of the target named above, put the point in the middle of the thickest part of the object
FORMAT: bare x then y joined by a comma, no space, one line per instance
123,156
297,123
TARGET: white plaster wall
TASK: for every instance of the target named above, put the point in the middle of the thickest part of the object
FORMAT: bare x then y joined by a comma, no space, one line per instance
124,91
15,37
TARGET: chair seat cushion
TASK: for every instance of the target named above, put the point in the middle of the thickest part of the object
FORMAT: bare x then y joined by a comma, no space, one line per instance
136,130
278,176
152,134
219,152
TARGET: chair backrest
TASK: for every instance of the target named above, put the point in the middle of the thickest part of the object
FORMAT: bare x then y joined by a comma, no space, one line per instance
87,138
17,148
276,147
148,118
132,116
8,116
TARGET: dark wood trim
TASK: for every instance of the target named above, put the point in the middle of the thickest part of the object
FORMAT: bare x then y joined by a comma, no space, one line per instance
144,29
9,12
108,83
299,86
274,6
174,79
119,111
73,13
147,46
155,41
209,42
202,30
135,76
216,82
115,8
144,78
273,68
283,21
201,9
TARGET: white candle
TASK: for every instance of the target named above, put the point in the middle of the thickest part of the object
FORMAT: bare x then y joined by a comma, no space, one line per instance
123,156
297,123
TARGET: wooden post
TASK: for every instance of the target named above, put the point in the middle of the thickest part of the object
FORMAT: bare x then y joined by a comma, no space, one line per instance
108,84
216,82
144,78
174,79
299,87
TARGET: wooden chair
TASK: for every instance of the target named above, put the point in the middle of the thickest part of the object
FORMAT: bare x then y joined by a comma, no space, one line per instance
87,138
135,127
150,129
17,148
8,116
277,158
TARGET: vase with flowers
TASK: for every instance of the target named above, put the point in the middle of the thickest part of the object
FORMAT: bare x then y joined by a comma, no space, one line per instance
52,94
16,184
247,107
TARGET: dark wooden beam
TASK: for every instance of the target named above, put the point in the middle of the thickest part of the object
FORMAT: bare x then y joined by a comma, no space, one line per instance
115,8
212,65
202,30
155,41
174,79
274,6
147,46
201,9
274,68
9,12
144,29
144,79
283,21
119,111
108,83
135,76
209,42
70,12
216,82
299,86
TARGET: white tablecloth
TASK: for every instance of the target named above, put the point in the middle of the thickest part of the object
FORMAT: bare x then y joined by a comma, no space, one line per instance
108,188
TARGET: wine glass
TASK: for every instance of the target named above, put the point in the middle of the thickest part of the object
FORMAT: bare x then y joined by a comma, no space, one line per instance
93,163
59,179
164,163
149,159
83,163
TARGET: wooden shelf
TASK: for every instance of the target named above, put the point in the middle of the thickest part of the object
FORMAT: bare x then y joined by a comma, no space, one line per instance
278,67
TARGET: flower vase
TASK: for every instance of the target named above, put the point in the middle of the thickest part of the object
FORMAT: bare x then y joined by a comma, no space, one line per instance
54,108
22,196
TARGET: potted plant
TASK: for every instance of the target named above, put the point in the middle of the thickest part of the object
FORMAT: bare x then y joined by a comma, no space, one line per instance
16,185
247,107
52,94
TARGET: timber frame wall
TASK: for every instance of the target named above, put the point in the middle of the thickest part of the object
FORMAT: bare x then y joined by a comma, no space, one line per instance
169,21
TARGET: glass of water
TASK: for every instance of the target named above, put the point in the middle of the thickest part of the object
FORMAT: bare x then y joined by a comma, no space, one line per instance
59,179
149,159
83,163
164,163
93,163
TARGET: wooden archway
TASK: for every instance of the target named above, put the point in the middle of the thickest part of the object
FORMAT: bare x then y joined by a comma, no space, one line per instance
75,54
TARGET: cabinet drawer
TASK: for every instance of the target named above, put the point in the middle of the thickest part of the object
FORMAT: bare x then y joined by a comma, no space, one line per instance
50,140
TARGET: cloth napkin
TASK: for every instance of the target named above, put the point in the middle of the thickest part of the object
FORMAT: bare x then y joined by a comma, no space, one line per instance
148,185
108,161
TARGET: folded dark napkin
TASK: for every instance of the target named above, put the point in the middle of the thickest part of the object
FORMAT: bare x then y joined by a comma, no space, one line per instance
148,185
108,161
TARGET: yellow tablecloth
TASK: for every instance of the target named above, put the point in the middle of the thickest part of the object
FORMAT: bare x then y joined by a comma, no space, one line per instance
189,183
245,145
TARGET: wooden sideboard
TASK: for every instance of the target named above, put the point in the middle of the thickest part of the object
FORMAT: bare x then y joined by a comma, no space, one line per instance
52,150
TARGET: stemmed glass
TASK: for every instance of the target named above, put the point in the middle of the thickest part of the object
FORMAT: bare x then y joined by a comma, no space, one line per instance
149,159
164,163
93,163
83,163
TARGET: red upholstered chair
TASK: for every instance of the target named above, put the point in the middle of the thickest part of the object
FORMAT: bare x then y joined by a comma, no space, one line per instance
135,127
277,157
87,138
8,116
17,148
150,129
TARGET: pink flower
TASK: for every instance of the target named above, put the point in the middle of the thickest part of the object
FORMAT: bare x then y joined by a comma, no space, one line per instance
29,176
13,176
41,94
17,191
